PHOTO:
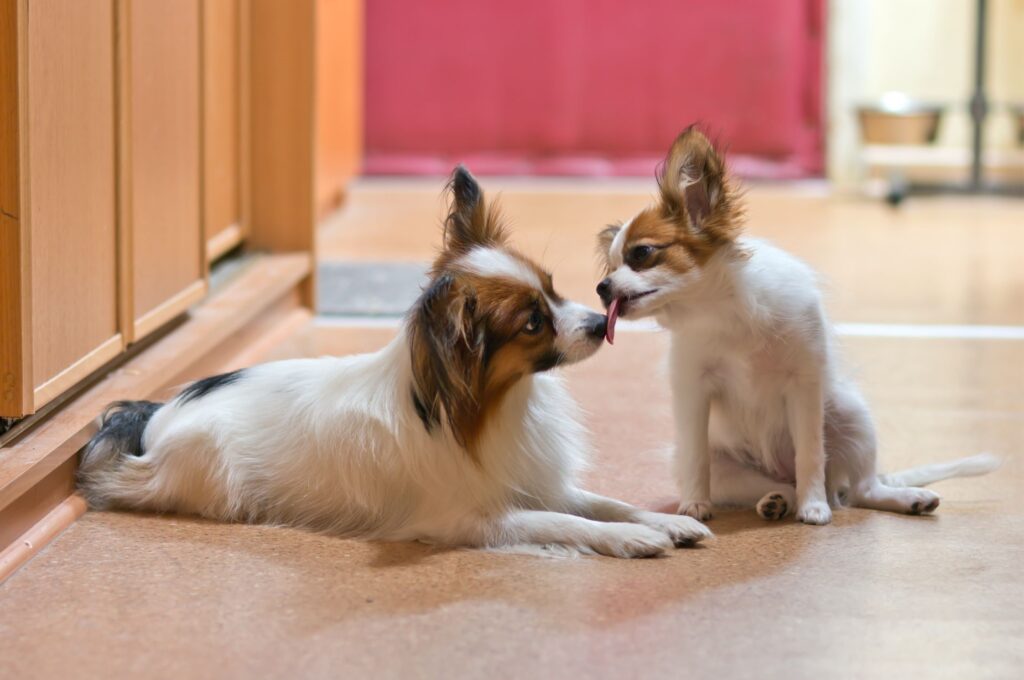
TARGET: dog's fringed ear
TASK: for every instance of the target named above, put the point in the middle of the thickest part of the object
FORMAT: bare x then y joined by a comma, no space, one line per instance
605,237
695,190
447,358
470,221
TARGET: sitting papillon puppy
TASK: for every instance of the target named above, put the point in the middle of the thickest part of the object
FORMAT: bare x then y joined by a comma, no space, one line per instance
456,433
764,417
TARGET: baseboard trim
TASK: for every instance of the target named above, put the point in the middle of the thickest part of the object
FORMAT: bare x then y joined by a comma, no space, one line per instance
40,534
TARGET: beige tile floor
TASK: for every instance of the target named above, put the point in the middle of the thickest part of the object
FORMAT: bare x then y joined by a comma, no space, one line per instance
872,595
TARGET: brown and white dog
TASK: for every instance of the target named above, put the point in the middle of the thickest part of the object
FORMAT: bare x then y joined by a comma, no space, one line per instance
764,416
455,433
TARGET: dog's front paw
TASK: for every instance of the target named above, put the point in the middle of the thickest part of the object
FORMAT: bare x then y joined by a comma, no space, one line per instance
814,512
684,531
775,505
620,539
699,510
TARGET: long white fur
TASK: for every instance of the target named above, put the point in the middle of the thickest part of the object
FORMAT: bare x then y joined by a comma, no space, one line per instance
764,416
335,444
496,262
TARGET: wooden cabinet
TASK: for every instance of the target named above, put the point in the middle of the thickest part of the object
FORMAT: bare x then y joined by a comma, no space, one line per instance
141,138
101,238
59,243
160,162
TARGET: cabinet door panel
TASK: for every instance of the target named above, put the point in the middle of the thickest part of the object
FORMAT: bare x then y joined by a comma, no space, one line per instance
71,190
339,102
163,160
221,74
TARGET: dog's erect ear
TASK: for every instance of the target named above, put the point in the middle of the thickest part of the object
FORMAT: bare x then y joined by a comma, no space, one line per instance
695,190
470,222
605,237
447,358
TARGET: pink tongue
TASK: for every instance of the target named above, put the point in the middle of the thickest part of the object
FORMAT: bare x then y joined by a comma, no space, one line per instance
613,316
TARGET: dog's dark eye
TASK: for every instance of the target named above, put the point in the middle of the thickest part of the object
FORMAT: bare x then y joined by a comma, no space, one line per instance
640,253
534,324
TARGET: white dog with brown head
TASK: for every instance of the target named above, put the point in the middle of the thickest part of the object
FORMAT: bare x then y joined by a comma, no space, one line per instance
764,416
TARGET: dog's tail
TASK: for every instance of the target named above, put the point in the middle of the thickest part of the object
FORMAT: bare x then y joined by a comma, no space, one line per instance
102,475
972,466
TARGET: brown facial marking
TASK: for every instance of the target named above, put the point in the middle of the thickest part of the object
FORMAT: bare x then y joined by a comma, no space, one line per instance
548,284
511,345
697,212
518,329
669,245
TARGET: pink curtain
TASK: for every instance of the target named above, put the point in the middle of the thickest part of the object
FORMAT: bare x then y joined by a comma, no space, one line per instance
591,87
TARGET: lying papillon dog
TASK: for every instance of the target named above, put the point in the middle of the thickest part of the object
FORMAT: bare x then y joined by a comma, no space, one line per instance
764,416
456,433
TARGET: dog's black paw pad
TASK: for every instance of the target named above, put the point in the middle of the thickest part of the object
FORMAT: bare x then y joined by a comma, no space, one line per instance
773,506
920,507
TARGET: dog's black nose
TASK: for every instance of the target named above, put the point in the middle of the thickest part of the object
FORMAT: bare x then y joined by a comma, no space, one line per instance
596,325
604,291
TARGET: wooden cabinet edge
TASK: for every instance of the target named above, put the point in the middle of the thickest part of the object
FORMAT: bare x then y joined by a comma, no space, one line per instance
15,238
169,309
15,316
122,179
77,371
223,241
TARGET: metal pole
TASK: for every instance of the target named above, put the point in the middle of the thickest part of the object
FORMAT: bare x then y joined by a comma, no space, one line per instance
979,106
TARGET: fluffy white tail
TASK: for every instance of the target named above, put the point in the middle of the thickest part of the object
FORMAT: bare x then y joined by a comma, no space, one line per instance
972,466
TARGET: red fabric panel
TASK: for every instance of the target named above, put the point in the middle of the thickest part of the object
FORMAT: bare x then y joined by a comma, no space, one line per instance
590,87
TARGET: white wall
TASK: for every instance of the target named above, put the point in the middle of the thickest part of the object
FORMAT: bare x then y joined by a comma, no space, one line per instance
924,48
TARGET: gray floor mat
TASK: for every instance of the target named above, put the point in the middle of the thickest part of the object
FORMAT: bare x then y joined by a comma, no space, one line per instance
368,288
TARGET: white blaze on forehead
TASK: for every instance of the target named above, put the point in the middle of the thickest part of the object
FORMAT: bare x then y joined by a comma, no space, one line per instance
494,262
569,317
615,251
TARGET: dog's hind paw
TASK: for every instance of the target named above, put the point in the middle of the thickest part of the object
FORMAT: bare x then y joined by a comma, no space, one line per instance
924,502
774,505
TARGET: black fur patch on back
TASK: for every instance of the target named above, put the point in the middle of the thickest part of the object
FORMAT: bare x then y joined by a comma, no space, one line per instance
124,422
201,388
